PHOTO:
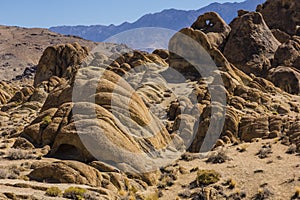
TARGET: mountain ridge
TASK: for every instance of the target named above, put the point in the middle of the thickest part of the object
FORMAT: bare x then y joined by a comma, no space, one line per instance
169,18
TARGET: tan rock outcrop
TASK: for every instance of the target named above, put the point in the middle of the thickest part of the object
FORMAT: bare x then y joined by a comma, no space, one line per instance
107,114
59,61
67,172
5,92
253,127
294,134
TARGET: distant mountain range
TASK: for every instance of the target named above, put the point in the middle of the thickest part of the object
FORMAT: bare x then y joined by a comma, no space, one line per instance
170,19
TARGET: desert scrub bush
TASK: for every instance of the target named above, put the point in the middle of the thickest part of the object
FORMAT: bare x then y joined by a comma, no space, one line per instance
53,192
264,152
169,175
3,173
263,193
129,187
13,172
207,177
237,195
74,193
165,181
24,177
231,183
276,140
149,195
242,148
275,112
131,197
91,196
218,157
292,149
46,121
18,154
185,194
132,190
297,193
122,193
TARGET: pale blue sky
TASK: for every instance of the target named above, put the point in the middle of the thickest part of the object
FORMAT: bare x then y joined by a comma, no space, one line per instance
46,13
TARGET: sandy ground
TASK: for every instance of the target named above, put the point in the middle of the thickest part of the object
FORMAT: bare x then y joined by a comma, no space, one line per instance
280,172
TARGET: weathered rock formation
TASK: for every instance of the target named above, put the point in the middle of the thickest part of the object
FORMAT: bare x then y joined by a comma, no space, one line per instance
281,14
286,65
67,172
288,54
105,113
93,113
6,92
250,44
214,26
286,78
251,109
59,61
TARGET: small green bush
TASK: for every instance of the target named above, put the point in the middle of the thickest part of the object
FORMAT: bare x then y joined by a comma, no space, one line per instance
47,120
207,177
74,193
53,192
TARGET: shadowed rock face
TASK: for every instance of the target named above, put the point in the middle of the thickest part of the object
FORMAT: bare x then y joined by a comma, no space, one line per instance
281,36
251,44
288,54
281,14
286,65
286,78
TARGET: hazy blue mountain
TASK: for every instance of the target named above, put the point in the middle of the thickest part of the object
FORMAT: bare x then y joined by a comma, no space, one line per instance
171,19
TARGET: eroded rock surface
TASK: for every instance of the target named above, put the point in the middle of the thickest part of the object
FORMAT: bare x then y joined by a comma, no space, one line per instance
251,44
281,14
59,61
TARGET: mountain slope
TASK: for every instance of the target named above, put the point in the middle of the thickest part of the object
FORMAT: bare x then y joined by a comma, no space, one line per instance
171,19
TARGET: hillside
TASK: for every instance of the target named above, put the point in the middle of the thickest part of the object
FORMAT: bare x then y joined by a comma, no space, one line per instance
21,48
